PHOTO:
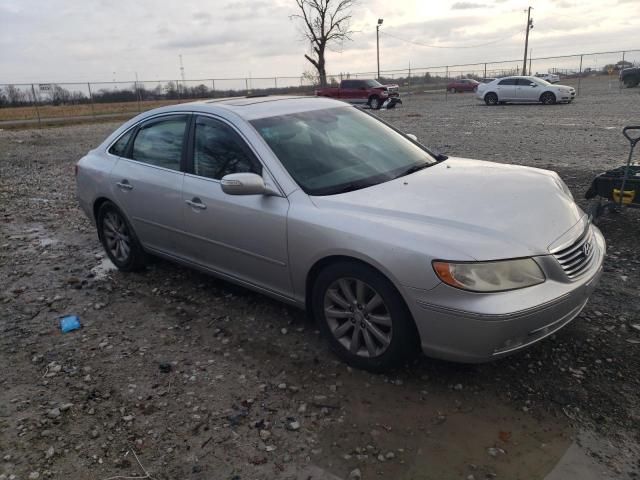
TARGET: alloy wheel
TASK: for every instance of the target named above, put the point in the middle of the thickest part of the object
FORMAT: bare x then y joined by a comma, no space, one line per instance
358,317
117,236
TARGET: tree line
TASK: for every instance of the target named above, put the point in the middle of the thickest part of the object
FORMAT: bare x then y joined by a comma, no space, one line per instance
52,94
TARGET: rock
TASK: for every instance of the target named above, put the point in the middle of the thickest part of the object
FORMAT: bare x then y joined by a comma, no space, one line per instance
355,474
283,331
381,458
65,406
282,386
457,386
494,452
95,433
302,408
54,413
390,455
127,418
34,475
293,426
165,367
50,452
270,448
265,434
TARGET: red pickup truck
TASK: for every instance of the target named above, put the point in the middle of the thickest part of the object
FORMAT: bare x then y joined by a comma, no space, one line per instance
369,92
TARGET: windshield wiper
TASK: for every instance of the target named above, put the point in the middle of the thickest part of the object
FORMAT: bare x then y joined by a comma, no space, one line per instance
413,169
350,187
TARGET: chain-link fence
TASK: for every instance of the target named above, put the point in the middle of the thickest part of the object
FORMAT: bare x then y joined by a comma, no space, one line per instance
51,102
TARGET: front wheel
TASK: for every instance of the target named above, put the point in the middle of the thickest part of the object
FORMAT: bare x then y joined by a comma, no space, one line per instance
375,103
548,98
118,239
491,98
363,316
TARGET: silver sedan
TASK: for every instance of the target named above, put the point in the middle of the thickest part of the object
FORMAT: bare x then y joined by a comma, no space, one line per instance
390,247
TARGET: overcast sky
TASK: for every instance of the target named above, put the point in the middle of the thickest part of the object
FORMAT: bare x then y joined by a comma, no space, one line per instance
90,40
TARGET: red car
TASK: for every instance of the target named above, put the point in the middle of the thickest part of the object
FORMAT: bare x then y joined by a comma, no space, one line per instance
462,85
369,92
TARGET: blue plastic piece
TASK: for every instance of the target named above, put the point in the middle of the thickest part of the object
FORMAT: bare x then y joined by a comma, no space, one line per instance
69,323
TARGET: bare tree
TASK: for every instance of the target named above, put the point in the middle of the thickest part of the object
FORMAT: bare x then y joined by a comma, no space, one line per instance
326,23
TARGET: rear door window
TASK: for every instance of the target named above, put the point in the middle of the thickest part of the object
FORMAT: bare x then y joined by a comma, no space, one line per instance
159,142
508,81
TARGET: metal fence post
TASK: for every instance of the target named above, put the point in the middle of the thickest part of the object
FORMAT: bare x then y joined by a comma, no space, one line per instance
446,80
580,75
246,85
93,110
35,103
137,94
213,88
621,67
485,70
275,82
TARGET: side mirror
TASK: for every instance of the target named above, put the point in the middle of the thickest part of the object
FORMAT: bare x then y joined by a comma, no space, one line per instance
243,184
412,137
534,85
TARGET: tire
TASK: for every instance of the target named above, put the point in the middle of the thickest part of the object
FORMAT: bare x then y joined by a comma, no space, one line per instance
118,239
491,98
548,98
354,336
375,103
631,82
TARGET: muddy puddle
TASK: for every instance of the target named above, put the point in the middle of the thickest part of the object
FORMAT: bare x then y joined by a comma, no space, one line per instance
402,432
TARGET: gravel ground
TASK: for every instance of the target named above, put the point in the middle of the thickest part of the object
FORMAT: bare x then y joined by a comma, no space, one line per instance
178,375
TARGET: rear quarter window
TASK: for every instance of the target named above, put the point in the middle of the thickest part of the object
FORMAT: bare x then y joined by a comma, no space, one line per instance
119,148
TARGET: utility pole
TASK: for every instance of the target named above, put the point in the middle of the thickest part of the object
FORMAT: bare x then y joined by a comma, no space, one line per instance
181,71
526,40
380,20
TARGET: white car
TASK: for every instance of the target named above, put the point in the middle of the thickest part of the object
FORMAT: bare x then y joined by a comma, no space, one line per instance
549,77
524,90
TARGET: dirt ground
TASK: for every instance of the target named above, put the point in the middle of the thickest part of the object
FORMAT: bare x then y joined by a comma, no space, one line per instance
176,375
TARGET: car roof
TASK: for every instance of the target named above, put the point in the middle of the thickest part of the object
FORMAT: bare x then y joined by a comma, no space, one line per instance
254,107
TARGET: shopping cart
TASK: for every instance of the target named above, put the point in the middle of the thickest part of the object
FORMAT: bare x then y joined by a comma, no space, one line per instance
620,187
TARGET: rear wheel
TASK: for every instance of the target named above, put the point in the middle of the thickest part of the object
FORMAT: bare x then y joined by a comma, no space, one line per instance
118,239
375,103
548,98
363,316
491,98
631,82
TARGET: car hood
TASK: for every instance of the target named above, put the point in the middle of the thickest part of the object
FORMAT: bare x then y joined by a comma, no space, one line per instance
480,209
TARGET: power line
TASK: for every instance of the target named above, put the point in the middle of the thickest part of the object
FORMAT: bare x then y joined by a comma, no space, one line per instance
447,46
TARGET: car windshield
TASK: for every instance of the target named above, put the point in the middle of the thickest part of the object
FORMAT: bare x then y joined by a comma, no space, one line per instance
373,83
542,81
340,149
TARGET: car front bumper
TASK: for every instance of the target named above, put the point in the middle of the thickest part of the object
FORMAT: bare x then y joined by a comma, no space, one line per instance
471,327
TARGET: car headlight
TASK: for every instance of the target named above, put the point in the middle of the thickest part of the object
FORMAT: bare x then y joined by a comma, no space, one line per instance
490,276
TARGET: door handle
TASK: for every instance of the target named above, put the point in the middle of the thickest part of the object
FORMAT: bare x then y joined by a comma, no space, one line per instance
196,203
125,185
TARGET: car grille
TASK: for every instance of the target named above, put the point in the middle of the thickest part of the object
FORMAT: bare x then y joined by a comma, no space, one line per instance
576,258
